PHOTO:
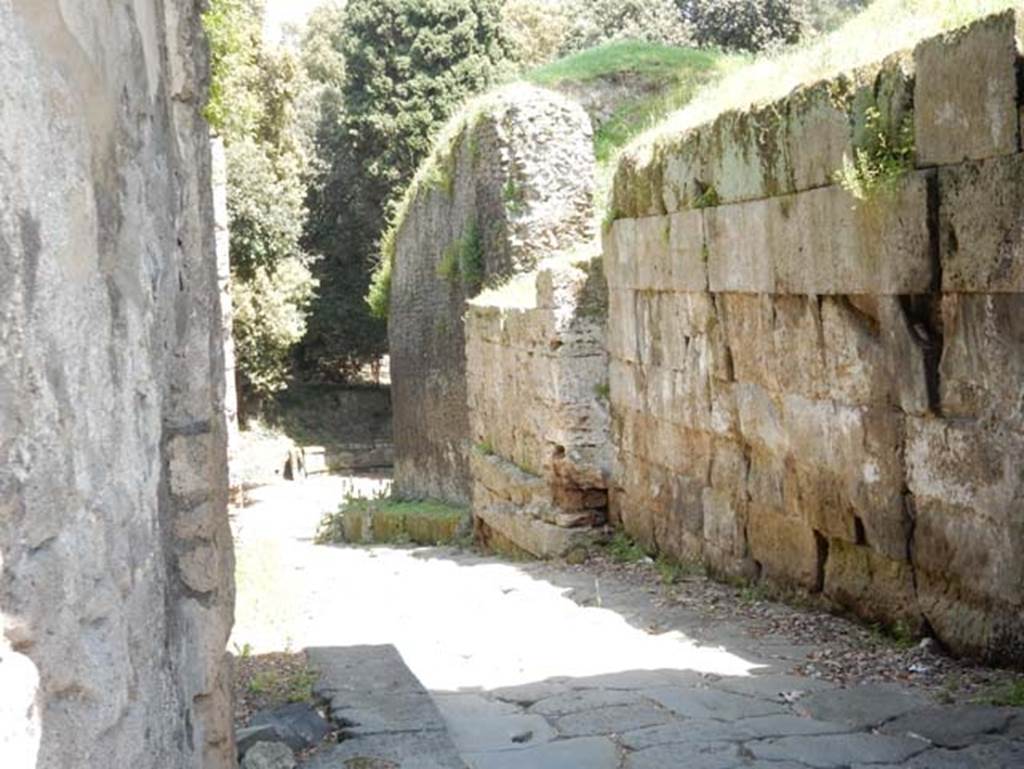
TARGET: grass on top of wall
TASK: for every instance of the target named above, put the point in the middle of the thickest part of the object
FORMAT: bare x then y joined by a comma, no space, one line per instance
883,28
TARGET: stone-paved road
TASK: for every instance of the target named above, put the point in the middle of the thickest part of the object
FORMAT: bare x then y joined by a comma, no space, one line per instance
528,678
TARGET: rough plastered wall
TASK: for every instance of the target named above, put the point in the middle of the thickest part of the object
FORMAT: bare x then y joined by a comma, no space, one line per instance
538,407
826,392
513,183
116,591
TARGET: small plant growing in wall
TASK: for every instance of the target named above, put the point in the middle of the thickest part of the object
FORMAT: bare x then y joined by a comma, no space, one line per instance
513,195
464,259
878,167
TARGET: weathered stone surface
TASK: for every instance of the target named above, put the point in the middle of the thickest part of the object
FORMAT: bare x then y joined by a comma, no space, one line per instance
834,751
860,706
297,724
712,704
792,244
541,145
982,364
981,229
116,584
953,727
268,755
965,94
591,752
612,718
875,586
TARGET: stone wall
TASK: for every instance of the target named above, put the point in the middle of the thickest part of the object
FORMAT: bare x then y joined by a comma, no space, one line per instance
538,407
825,392
512,182
116,586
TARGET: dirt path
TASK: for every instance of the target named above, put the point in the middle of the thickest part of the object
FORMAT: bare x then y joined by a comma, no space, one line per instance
546,665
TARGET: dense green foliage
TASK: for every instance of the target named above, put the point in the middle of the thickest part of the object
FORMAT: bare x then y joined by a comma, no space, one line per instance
254,93
408,65
745,25
592,22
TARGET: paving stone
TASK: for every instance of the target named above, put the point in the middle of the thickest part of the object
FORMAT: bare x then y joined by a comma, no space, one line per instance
588,753
528,694
996,754
507,732
688,731
612,720
415,750
828,751
584,699
455,706
771,687
719,756
711,703
951,727
383,712
638,679
860,706
787,726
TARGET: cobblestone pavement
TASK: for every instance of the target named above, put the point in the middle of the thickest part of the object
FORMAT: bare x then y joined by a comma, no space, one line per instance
545,666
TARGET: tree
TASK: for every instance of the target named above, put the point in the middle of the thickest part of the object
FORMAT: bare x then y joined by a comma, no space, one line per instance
593,22
535,30
253,98
407,64
746,25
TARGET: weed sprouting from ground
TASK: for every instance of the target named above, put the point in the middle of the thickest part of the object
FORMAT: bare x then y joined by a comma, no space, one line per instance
624,549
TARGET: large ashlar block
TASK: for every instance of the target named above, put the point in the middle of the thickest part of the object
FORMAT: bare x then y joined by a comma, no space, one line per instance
822,242
785,547
981,224
965,96
791,145
967,485
982,369
848,464
877,588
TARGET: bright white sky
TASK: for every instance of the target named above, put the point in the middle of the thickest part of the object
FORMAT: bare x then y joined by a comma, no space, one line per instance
281,12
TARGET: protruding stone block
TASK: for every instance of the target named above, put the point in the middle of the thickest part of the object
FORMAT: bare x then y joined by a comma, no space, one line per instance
965,97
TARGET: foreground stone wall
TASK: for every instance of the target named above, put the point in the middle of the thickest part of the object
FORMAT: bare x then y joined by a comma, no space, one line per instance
825,392
513,182
116,592
538,407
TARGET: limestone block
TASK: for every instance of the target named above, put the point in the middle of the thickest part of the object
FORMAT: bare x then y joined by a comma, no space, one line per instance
967,487
622,332
652,254
679,522
904,350
982,368
200,568
819,242
761,419
188,456
981,226
741,239
535,536
856,365
848,462
968,624
877,588
965,96
506,481
746,154
785,547
686,252
818,134
748,327
683,166
797,345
